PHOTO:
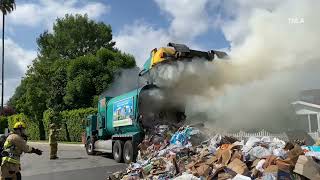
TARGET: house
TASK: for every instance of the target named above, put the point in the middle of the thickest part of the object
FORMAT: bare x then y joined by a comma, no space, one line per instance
307,109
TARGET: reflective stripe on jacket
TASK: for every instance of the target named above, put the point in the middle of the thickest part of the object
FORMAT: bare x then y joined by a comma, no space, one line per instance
14,146
10,160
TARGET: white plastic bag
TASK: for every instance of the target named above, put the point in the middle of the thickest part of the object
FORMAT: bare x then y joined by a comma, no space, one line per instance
259,166
186,176
280,153
241,177
249,144
259,152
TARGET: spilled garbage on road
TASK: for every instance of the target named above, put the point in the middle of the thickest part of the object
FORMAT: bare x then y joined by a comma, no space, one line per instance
191,153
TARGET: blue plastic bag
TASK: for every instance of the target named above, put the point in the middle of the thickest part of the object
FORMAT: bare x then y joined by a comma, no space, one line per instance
182,137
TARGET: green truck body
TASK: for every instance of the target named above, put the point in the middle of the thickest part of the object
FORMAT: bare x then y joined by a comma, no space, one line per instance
116,123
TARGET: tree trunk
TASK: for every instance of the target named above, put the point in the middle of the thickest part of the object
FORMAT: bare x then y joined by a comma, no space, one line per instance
2,67
67,132
42,132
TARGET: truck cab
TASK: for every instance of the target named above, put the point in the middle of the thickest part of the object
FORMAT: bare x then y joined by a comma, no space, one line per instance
90,132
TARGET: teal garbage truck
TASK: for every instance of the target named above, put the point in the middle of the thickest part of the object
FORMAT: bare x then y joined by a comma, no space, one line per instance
122,121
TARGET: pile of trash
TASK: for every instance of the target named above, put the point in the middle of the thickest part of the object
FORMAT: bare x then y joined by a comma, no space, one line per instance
179,156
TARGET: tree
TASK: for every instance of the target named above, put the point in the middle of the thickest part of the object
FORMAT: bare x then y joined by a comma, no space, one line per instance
6,6
75,63
74,36
89,76
57,86
7,111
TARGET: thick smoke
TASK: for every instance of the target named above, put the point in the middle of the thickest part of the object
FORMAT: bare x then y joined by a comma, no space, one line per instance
125,80
272,60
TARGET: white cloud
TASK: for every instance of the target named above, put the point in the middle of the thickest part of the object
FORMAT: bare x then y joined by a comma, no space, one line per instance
138,38
270,40
44,12
16,61
188,19
236,25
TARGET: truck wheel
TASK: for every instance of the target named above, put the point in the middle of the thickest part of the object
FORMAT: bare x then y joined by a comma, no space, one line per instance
117,151
90,147
129,154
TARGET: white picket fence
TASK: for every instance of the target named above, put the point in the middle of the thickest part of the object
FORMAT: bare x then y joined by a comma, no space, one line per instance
241,135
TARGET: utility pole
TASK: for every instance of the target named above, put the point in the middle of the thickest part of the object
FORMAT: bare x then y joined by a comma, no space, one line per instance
2,77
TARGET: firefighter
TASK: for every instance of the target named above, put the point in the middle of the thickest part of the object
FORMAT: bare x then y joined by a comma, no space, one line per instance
14,146
53,141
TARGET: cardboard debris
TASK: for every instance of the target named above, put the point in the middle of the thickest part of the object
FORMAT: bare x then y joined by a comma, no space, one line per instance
224,176
204,153
294,154
216,171
236,155
224,156
212,160
255,162
307,167
271,160
238,166
284,166
219,158
203,170
271,169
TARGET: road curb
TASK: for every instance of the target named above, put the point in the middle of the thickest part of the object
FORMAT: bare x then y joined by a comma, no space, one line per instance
65,144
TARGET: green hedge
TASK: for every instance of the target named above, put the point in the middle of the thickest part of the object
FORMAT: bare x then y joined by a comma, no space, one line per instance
51,116
32,127
3,124
73,120
68,121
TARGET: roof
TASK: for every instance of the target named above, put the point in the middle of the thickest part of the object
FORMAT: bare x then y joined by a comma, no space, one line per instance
306,104
304,108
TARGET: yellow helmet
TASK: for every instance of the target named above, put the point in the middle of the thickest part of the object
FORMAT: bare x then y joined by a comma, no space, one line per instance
19,125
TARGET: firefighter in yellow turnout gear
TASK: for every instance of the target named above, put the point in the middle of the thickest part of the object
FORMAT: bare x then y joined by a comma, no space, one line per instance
14,146
53,133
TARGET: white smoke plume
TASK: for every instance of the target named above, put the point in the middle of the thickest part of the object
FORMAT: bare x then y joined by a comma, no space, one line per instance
274,55
124,81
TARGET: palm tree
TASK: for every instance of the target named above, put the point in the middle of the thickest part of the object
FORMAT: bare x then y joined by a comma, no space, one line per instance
6,7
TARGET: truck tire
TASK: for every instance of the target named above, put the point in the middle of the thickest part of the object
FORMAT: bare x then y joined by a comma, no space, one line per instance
90,147
129,153
117,151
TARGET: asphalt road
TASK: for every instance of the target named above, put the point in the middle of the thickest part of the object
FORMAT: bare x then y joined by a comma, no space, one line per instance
73,164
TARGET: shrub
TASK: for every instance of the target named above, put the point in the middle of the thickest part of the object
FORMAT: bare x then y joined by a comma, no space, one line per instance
32,126
73,119
3,124
51,116
69,121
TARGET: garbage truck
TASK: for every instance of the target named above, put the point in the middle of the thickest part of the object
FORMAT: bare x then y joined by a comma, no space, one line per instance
122,121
